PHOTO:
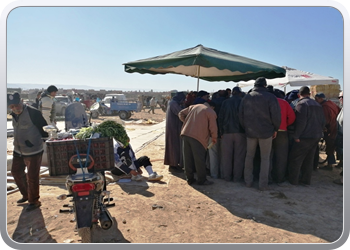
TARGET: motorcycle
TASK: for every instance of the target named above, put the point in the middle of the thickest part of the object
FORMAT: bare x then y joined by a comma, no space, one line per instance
90,199
88,191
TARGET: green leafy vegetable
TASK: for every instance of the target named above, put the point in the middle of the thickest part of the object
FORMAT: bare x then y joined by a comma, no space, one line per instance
113,129
106,129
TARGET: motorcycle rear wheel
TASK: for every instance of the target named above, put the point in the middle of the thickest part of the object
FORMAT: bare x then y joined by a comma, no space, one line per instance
86,234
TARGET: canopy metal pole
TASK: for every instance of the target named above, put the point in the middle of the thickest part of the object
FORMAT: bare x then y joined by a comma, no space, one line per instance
198,71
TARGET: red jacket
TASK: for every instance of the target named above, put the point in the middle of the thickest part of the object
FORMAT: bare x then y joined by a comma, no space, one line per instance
287,114
331,111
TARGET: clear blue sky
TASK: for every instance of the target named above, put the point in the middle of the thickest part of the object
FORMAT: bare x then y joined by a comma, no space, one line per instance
88,45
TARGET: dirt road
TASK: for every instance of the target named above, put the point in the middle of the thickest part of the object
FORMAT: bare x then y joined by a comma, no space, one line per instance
225,212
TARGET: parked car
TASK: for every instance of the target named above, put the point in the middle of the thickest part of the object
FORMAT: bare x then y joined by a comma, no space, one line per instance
61,104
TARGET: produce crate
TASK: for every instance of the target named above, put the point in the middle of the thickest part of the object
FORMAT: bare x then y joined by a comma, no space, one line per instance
59,152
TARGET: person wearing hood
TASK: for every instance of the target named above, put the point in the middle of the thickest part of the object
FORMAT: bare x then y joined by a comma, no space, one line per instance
47,105
173,155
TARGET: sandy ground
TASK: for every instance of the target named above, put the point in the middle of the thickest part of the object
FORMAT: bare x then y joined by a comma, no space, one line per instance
171,211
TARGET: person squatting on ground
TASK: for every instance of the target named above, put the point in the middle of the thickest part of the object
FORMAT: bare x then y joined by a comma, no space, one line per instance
173,153
309,124
260,116
331,111
280,145
126,163
233,140
28,124
47,105
199,123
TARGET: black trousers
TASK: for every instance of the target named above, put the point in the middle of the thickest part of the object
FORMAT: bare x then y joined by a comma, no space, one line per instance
194,158
279,156
300,161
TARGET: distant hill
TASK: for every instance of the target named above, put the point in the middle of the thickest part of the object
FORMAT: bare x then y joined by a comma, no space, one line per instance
25,86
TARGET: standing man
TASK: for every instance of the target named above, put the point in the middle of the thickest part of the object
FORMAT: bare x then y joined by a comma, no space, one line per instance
202,97
173,153
331,111
339,140
233,140
152,103
309,124
280,145
28,125
47,105
215,151
37,100
199,124
260,116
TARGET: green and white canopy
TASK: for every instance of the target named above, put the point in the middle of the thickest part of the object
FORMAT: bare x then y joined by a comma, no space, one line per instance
206,64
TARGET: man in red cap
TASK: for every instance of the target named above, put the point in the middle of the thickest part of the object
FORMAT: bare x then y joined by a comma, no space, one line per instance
28,124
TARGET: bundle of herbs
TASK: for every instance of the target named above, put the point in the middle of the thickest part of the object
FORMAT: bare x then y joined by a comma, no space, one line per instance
105,129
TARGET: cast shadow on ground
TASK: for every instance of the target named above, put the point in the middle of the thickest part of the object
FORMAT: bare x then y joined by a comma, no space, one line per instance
316,209
276,208
142,190
111,235
31,231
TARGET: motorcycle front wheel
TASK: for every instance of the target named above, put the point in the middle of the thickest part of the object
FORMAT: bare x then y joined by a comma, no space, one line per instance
86,234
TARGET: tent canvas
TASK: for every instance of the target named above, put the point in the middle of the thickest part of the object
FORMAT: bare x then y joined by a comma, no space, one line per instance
206,64
297,78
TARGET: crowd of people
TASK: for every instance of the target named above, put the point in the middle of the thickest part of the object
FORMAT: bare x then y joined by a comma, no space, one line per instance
264,134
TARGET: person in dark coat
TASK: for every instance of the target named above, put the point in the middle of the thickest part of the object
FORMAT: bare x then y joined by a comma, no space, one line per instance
37,100
309,124
260,116
202,97
214,152
280,145
28,123
233,140
339,140
331,111
173,154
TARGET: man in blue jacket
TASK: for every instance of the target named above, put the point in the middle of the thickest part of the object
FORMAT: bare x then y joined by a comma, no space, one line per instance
28,124
309,125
